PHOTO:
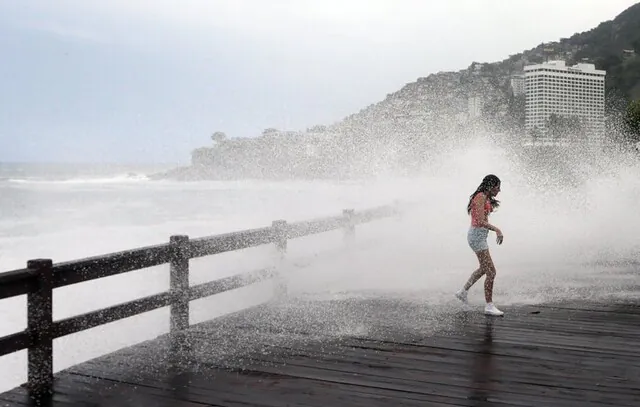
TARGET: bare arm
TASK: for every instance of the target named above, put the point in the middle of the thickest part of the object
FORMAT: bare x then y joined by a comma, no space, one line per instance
477,208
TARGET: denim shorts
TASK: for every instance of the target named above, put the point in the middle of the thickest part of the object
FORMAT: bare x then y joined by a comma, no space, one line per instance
477,238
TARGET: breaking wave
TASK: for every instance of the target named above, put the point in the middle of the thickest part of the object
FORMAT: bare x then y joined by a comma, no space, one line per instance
116,179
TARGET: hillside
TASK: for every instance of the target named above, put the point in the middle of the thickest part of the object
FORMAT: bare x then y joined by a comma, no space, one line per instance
412,126
615,47
453,98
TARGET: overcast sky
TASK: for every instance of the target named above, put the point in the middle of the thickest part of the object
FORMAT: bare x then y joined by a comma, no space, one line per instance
133,80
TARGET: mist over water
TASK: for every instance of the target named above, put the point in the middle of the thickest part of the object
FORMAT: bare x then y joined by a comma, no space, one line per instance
571,231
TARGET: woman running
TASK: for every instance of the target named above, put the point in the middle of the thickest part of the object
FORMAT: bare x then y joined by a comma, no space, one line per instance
481,203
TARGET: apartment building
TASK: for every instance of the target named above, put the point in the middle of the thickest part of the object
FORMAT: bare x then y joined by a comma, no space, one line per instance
517,85
571,92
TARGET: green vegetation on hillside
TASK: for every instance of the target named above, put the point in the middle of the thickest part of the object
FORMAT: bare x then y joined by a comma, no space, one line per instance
439,98
632,120
613,46
412,125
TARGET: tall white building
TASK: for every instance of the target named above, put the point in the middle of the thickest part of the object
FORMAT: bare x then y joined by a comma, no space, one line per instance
567,91
475,105
517,85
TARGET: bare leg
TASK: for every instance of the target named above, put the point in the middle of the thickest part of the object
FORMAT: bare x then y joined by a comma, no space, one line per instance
475,276
488,288
488,268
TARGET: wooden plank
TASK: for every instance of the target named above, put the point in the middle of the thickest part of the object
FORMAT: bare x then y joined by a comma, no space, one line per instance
441,372
460,374
593,308
314,226
16,282
457,391
14,342
208,380
289,356
40,327
179,284
230,389
435,349
92,268
229,283
375,213
104,316
209,245
447,361
73,390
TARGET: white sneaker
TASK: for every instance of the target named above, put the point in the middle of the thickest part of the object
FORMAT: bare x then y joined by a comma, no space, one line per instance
462,295
491,309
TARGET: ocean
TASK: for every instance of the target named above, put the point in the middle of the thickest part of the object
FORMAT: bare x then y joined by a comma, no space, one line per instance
561,242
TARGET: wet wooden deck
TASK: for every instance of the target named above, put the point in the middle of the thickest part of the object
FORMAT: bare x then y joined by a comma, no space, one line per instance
382,352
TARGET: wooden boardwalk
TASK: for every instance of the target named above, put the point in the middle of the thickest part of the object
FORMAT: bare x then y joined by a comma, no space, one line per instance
374,352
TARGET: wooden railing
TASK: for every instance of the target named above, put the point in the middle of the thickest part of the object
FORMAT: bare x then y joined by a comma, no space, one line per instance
41,277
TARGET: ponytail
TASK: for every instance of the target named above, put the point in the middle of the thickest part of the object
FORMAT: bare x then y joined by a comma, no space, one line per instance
487,183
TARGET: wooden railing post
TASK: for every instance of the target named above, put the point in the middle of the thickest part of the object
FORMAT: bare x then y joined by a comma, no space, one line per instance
280,233
349,225
39,325
180,349
179,283
397,209
280,230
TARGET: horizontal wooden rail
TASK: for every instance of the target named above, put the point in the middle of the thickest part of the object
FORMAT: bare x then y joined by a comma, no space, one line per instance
228,284
14,342
375,213
104,316
315,226
92,268
206,246
41,277
15,283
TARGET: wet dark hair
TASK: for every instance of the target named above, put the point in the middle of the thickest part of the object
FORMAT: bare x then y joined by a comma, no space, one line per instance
487,183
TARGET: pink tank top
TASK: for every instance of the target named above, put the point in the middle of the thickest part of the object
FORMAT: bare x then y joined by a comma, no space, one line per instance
475,215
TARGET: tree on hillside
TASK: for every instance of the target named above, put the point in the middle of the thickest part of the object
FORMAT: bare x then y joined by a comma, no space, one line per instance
630,76
632,120
218,136
563,127
535,134
516,109
269,132
317,129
